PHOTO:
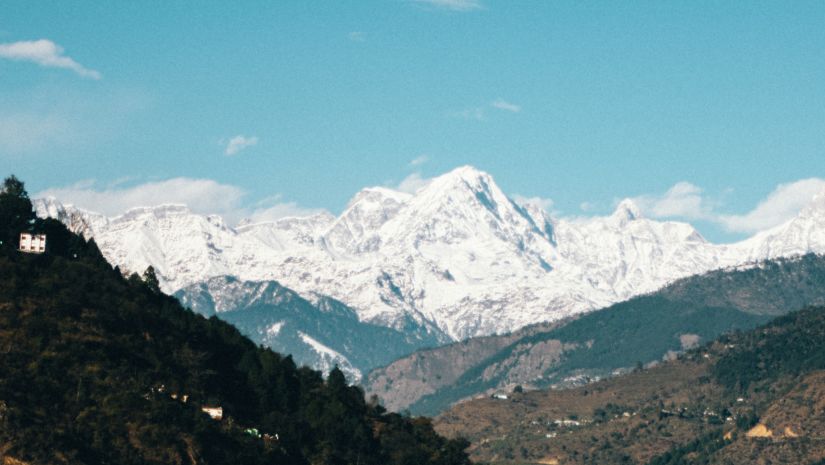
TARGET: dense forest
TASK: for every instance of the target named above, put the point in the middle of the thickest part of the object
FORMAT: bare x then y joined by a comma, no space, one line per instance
96,368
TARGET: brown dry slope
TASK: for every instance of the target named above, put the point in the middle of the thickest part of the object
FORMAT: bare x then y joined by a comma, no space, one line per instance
424,372
698,409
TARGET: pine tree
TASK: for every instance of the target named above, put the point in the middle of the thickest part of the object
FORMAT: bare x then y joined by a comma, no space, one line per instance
151,279
16,213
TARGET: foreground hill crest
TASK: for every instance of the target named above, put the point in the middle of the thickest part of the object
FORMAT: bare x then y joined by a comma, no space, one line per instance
458,256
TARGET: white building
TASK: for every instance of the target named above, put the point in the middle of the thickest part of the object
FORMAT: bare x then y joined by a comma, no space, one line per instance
215,412
32,243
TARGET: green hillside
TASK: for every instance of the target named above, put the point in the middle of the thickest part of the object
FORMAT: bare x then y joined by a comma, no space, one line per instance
98,369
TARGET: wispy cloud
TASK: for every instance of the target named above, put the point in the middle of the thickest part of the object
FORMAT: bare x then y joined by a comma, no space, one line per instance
46,122
682,200
203,196
357,36
28,132
688,201
239,143
476,113
453,5
502,104
200,195
779,206
274,208
412,183
480,113
419,160
45,53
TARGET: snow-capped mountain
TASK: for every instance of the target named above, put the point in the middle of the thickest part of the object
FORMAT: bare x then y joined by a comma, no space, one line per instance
458,257
317,331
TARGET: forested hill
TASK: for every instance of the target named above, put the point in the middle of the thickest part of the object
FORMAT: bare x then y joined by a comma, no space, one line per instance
94,369
753,397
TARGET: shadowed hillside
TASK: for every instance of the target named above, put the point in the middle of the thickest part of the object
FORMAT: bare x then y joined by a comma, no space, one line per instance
95,369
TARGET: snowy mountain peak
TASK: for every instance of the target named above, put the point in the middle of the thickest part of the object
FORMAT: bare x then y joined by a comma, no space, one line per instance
378,195
458,192
458,257
462,177
466,172
626,211
816,208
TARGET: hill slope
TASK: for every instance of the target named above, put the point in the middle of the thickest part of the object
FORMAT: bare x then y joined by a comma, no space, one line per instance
752,397
641,330
98,369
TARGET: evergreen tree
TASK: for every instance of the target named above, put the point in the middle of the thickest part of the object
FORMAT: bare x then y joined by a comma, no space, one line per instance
16,213
150,278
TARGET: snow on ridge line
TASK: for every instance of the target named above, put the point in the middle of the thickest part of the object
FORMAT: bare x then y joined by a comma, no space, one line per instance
275,329
330,357
459,253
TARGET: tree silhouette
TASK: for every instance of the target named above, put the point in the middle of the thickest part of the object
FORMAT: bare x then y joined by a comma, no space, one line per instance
16,213
150,278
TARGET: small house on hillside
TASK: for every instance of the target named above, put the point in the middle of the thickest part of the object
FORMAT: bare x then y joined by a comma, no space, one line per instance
32,243
216,413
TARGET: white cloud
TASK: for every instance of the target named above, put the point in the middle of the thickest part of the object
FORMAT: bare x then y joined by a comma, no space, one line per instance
683,200
687,201
586,206
779,206
274,208
454,5
45,53
419,160
238,143
412,183
203,196
357,36
480,113
200,195
502,104
540,202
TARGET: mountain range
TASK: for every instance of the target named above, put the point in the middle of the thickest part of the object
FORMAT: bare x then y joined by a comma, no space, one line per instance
456,259
97,368
644,330
320,331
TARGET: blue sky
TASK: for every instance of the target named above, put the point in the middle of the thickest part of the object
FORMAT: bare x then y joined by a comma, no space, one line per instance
712,112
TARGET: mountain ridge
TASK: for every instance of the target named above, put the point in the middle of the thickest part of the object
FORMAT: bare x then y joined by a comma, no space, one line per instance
458,255
644,329
318,331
